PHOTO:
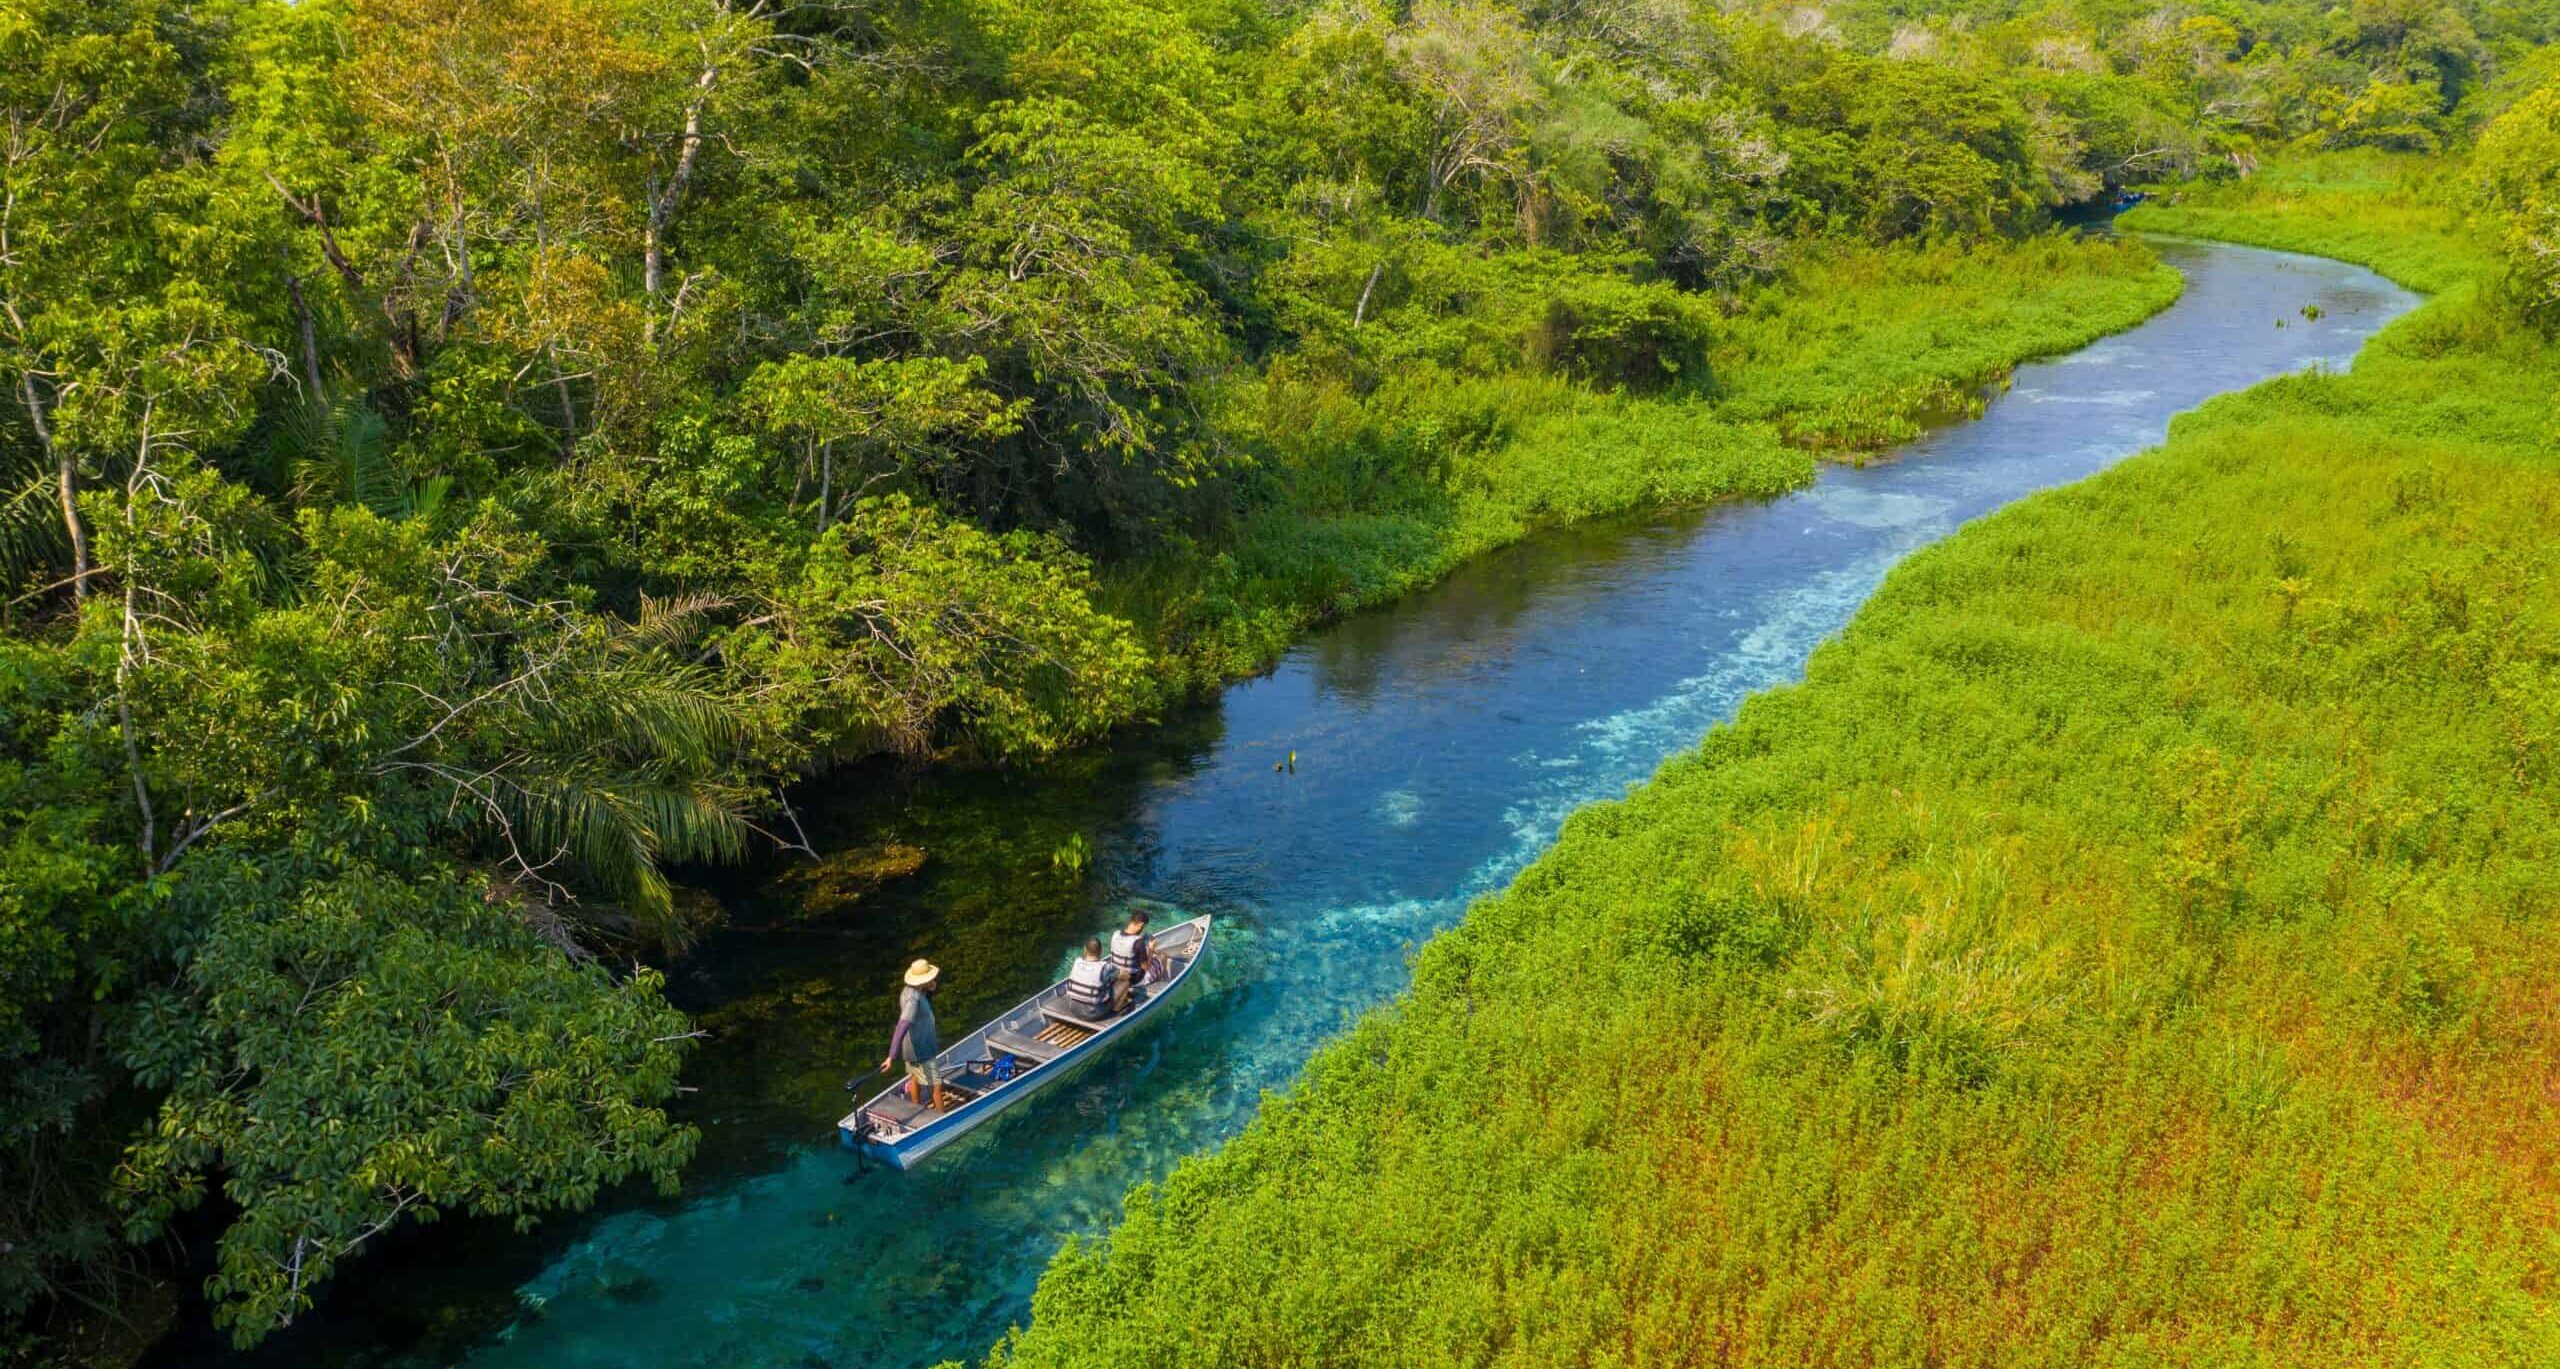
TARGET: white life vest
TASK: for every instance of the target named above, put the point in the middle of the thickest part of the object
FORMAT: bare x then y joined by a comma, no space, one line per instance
1129,951
1089,982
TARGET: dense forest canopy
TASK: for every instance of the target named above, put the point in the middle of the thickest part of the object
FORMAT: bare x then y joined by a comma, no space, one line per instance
464,456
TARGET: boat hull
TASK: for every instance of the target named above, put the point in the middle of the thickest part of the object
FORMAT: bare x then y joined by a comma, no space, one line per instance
909,1146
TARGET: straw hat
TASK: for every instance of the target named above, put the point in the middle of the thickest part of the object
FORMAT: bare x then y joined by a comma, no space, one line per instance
921,973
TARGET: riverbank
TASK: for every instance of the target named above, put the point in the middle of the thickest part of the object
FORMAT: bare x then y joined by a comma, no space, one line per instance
1859,342
1441,742
1869,337
2395,214
1856,349
2130,943
472,465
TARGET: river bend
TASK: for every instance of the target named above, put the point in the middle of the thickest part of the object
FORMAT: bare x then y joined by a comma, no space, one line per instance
1439,744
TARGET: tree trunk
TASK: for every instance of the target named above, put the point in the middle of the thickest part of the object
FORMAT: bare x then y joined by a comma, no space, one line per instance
66,476
826,482
133,747
67,485
457,295
310,339
403,335
131,648
662,205
406,345
568,406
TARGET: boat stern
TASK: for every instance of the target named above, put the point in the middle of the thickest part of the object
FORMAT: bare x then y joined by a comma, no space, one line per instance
858,1134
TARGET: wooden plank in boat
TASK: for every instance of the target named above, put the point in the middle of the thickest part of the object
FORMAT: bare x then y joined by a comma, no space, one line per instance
1064,1034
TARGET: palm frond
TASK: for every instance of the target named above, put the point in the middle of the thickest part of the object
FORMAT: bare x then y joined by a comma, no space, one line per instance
429,495
673,623
643,720
619,829
32,539
341,454
298,439
364,452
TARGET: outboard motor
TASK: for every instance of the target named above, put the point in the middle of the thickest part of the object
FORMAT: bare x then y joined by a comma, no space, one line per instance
862,1132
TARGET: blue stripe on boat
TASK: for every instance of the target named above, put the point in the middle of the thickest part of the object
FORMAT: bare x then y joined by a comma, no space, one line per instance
902,1133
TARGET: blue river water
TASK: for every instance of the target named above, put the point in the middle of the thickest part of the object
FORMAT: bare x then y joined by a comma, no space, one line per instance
1438,745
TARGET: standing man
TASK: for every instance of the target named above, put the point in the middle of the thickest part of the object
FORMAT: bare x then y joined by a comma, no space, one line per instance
915,1041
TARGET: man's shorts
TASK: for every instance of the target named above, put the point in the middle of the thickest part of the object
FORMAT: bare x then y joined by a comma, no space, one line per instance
923,1074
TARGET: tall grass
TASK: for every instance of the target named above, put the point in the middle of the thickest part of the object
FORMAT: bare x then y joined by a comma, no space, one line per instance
1862,346
1369,496
2132,944
2393,212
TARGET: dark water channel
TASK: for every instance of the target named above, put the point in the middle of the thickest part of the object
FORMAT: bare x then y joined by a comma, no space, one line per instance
1439,744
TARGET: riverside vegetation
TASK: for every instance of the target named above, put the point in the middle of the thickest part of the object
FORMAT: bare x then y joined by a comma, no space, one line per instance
2131,944
465,456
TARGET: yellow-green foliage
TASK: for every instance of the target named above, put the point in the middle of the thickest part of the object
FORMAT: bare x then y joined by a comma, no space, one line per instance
1377,494
1865,345
2131,945
2517,174
2396,213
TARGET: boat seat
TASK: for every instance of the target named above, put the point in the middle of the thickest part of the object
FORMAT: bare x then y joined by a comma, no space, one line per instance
1066,1018
1056,1014
1022,1048
895,1108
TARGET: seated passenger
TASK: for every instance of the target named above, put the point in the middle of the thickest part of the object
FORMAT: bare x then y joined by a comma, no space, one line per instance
1132,956
1089,983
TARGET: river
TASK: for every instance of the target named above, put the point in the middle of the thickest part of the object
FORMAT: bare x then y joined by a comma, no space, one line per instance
1438,744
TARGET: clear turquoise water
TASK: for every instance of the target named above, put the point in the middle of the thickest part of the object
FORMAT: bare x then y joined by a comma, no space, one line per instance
1439,745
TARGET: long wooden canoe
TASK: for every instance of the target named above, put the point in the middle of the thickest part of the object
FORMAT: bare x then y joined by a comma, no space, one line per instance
1013,1057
